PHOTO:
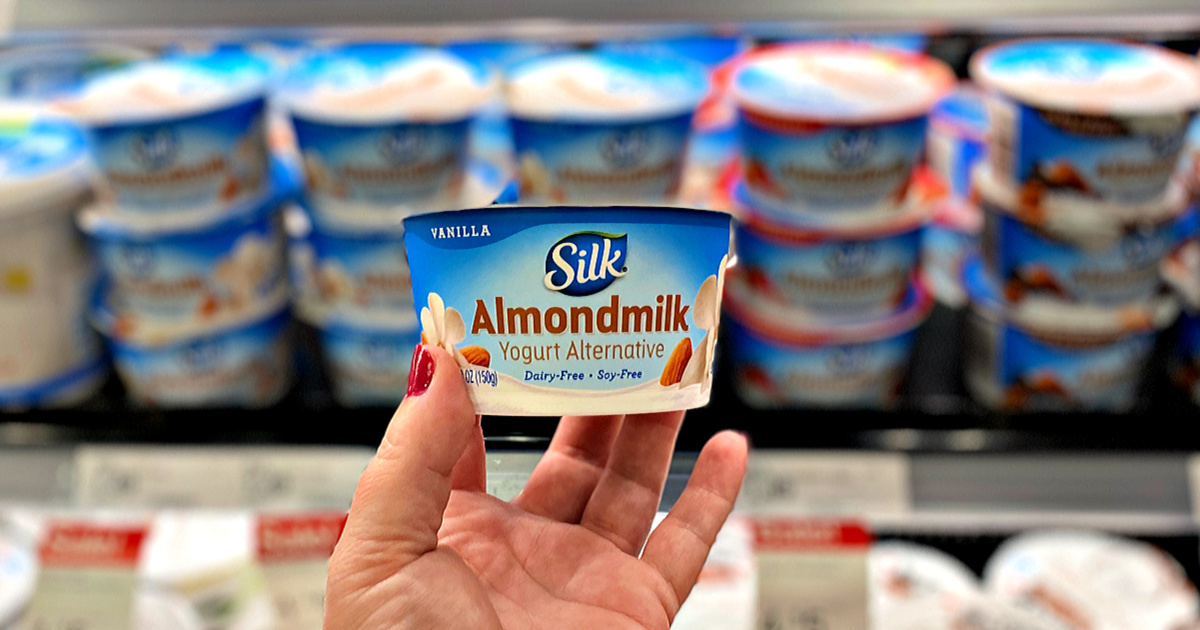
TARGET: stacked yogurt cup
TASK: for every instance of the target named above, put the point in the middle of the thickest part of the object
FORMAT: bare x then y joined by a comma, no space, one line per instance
383,131
1081,207
187,231
826,298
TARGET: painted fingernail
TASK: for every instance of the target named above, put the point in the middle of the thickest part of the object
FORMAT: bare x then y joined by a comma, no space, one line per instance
420,374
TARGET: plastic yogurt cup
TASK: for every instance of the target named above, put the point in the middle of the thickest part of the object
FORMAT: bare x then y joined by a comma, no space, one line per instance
561,310
1072,257
179,134
383,127
1083,579
367,357
199,274
833,127
830,269
957,137
42,73
1091,118
48,353
603,127
1048,355
947,242
912,586
784,359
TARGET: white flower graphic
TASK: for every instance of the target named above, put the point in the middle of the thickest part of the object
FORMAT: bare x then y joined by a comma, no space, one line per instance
443,327
706,314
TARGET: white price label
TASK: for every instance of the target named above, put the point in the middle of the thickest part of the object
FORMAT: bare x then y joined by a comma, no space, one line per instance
812,483
811,575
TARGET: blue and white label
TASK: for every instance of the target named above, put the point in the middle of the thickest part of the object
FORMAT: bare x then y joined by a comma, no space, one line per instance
573,310
944,252
35,147
369,365
957,138
357,270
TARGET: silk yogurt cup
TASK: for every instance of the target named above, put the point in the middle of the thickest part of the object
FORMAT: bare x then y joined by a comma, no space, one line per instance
557,310
368,358
1096,119
382,128
833,127
606,127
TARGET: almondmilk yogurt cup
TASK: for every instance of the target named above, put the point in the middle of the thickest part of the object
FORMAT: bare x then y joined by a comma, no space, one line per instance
45,72
48,354
833,127
561,310
1096,119
1044,354
831,267
367,357
949,239
913,587
1072,255
179,135
1082,579
957,137
198,274
603,127
784,359
382,128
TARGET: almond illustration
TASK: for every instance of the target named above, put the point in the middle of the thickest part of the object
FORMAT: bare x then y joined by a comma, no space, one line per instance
673,372
477,355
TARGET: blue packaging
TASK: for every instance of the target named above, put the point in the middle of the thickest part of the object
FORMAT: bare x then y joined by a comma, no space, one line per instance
603,127
359,268
1185,360
947,242
563,310
1096,119
957,138
44,73
368,360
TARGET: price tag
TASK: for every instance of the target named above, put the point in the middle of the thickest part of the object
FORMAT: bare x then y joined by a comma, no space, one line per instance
215,477
812,483
294,552
812,575
87,578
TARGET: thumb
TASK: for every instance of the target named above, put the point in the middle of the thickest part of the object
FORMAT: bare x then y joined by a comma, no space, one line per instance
404,490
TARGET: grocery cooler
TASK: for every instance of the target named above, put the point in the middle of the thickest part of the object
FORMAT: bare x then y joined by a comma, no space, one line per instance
959,312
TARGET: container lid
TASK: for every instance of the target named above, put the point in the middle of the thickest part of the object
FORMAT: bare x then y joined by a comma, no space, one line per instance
788,325
41,159
502,54
372,83
839,83
338,319
170,87
605,86
40,73
1099,77
194,551
1057,317
964,109
710,50
813,226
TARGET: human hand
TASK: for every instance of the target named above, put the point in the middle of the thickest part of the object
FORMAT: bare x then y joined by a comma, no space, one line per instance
426,547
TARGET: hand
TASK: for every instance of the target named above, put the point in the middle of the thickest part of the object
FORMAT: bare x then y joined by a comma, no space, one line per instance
427,548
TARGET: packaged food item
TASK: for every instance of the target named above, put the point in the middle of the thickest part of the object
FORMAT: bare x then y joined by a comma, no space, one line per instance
1067,254
48,354
1044,354
207,273
831,267
833,127
45,72
784,359
180,135
1092,119
957,137
947,242
383,127
18,576
603,127
367,357
913,587
560,310
1080,579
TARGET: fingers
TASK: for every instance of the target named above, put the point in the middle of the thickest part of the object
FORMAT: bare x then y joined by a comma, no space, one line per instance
470,473
622,507
564,479
679,546
404,490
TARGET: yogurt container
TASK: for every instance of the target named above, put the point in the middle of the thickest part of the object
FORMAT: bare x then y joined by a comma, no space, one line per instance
179,135
18,576
1095,119
1047,355
831,268
913,587
947,242
382,128
43,73
48,354
1068,256
833,127
240,363
564,310
605,127
367,358
191,275
782,359
1081,579
957,137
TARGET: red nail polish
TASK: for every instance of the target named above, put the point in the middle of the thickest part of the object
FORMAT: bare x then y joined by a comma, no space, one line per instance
420,374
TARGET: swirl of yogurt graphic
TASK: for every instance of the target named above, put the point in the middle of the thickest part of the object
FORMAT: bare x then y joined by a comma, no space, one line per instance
444,327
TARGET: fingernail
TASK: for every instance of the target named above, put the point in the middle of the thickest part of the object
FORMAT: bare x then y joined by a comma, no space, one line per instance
420,374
